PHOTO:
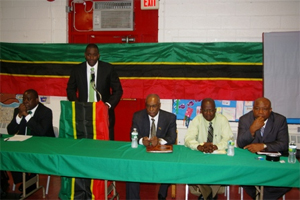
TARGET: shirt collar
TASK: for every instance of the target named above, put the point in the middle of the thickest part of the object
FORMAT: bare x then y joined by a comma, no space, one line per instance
212,121
33,110
155,118
95,66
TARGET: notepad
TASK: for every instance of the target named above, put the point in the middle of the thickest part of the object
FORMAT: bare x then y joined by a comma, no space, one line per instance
270,153
160,149
19,138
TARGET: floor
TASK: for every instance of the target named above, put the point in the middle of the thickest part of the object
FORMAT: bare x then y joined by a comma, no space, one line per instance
148,191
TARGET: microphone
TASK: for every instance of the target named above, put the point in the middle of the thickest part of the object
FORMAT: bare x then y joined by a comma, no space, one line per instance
92,76
94,87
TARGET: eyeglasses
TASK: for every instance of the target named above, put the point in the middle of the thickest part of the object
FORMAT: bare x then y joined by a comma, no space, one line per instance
152,106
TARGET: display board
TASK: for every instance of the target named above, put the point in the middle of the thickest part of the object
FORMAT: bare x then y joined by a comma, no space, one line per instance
233,110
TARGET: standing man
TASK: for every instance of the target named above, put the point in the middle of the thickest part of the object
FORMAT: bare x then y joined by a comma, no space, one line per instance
262,129
207,132
93,80
154,127
30,118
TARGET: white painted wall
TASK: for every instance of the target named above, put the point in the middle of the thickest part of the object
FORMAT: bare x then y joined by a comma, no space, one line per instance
225,20
40,21
33,21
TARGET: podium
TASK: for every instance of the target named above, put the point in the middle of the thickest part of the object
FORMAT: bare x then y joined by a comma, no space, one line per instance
89,120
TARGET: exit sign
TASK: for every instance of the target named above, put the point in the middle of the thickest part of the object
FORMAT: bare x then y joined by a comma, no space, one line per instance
149,4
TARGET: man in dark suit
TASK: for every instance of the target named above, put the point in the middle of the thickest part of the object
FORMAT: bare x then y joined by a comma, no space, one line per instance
107,83
263,129
145,122
30,118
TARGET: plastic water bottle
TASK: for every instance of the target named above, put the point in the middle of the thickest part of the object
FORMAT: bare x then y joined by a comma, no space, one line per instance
292,152
230,148
134,138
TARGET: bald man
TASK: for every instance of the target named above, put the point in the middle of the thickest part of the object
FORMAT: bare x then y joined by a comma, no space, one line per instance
263,129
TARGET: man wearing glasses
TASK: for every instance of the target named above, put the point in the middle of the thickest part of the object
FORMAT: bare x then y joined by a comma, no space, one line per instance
154,127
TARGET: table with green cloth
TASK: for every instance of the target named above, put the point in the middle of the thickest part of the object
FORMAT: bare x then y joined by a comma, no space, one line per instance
115,160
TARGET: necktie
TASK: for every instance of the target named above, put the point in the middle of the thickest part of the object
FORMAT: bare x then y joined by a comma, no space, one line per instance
262,130
92,83
153,129
210,133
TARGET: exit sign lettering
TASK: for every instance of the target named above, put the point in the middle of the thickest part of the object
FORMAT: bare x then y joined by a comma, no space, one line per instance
149,4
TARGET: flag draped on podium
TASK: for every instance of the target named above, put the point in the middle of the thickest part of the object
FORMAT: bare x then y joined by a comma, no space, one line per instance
83,120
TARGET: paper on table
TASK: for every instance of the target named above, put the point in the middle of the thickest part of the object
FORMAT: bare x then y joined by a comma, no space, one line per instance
18,138
272,153
219,152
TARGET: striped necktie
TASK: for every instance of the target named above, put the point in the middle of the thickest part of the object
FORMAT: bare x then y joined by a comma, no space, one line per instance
153,129
210,134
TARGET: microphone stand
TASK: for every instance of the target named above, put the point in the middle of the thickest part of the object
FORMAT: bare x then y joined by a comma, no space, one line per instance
94,87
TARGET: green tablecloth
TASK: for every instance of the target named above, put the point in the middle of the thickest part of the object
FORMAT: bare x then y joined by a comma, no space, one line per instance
113,160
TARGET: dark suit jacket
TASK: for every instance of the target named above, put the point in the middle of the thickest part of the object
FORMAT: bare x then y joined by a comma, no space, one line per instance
107,79
40,124
276,135
166,125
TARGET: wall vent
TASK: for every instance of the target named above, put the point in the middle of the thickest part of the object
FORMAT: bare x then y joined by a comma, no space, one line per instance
113,15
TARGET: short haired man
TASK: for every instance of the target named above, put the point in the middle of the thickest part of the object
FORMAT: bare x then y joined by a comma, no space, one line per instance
30,118
207,132
263,129
105,82
165,124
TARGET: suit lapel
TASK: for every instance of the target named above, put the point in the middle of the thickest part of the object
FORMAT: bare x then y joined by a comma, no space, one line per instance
160,123
84,79
147,124
269,126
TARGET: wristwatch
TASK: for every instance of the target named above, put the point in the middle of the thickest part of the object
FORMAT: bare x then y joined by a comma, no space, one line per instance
265,146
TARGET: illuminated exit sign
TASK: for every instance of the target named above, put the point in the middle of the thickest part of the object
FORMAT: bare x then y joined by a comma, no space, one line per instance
149,4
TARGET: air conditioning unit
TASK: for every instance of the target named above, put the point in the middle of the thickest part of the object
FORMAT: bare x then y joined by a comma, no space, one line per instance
113,15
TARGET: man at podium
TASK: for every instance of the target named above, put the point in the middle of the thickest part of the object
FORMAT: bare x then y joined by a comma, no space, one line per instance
96,80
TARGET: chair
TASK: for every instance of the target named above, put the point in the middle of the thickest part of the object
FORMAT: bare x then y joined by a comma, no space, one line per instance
241,191
26,184
226,193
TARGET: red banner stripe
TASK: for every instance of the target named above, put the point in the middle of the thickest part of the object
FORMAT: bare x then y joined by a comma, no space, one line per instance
177,88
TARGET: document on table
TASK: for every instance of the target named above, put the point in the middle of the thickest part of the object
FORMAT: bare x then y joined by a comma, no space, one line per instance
19,138
272,153
218,152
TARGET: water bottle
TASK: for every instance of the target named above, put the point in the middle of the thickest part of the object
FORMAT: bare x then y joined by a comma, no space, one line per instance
292,152
230,148
134,138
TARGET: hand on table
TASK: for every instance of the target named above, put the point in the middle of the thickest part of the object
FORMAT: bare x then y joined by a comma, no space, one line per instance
146,141
154,141
207,147
255,147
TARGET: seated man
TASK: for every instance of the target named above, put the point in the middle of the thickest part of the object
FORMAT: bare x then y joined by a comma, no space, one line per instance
207,132
30,118
164,133
262,129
